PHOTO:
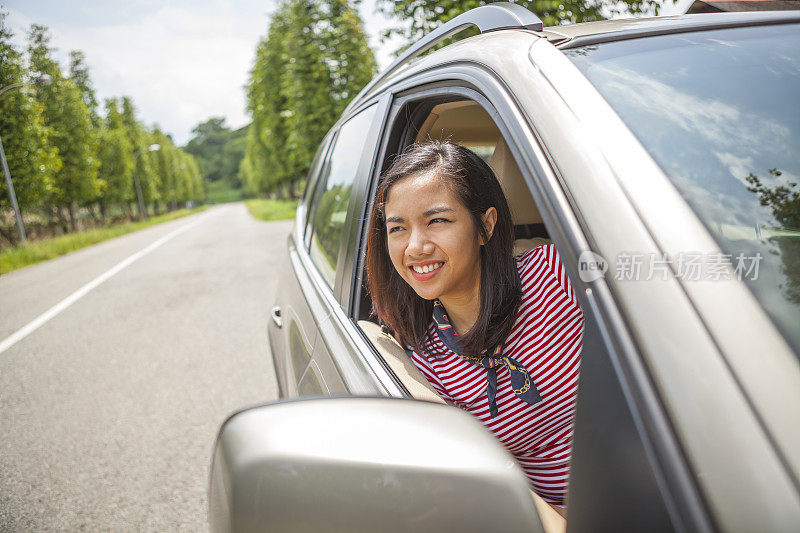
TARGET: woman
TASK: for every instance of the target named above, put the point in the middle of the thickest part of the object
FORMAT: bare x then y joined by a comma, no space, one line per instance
497,335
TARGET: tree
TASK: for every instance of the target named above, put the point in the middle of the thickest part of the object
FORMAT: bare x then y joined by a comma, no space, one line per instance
116,160
195,190
143,168
422,16
314,59
166,166
349,57
232,155
783,198
69,119
208,145
79,74
263,167
307,86
31,158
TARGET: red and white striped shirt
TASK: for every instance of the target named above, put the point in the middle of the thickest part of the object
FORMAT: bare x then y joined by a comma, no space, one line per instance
546,338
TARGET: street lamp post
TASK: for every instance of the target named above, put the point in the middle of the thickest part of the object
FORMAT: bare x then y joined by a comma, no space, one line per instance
9,185
142,210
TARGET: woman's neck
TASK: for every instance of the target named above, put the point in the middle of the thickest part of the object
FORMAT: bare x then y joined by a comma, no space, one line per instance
462,311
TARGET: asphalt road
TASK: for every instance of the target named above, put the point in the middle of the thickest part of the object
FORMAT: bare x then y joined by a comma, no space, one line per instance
109,409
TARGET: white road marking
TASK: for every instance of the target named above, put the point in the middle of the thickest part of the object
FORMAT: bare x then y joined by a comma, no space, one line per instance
42,319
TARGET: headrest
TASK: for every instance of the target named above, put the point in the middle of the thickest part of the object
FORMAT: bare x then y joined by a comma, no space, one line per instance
520,201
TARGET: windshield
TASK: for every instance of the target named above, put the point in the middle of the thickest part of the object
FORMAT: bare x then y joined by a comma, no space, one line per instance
719,111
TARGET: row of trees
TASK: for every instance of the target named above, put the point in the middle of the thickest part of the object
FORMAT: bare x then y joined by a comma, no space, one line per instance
312,62
66,155
315,58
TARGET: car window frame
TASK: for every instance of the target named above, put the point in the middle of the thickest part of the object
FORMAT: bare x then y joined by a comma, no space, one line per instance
356,211
367,374
319,190
570,235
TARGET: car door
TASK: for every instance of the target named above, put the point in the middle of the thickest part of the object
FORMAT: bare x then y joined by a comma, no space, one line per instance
297,310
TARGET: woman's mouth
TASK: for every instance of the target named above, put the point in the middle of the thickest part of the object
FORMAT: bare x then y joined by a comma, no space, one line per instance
425,272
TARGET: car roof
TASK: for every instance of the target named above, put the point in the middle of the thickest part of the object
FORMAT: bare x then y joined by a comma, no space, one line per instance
573,35
582,34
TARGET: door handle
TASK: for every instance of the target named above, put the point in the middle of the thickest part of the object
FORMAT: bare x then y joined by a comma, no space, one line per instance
276,316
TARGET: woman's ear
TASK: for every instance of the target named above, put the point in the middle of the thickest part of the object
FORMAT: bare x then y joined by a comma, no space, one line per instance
489,219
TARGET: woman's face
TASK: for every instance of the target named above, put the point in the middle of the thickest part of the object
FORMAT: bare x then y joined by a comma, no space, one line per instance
432,240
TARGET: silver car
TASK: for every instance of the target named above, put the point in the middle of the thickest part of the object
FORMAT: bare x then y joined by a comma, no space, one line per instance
662,157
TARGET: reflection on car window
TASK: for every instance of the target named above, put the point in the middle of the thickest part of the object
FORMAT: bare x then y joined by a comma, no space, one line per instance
338,177
719,111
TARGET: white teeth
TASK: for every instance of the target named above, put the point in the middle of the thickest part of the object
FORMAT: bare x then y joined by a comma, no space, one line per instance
427,268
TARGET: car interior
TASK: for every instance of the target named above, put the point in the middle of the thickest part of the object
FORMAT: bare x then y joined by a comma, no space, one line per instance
467,123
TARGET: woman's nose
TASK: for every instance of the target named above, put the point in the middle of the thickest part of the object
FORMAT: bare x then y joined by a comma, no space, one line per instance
419,244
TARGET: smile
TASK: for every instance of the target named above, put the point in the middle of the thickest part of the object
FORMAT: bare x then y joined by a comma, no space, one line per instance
426,268
425,272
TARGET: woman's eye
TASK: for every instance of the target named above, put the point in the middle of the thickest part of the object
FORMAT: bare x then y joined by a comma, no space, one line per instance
438,220
395,228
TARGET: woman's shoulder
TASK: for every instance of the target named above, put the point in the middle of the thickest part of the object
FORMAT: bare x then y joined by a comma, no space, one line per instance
543,260
536,254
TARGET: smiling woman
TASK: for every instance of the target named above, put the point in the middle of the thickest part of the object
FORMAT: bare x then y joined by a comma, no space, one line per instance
497,335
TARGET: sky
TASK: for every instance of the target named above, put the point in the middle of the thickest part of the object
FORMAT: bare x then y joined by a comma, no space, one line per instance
181,61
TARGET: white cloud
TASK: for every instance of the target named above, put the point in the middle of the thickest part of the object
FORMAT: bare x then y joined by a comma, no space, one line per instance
179,65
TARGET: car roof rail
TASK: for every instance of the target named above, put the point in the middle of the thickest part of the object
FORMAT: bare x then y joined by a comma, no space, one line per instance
491,17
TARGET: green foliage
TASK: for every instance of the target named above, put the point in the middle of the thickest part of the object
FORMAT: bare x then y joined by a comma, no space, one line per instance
69,119
142,167
116,167
176,172
306,85
116,159
314,59
330,220
263,166
219,150
79,74
165,166
783,198
32,160
232,155
220,192
64,156
424,15
348,55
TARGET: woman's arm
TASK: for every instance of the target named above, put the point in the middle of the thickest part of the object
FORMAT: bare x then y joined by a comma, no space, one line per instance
552,518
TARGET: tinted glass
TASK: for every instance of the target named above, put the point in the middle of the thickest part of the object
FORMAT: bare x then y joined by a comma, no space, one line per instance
719,111
314,171
338,177
311,186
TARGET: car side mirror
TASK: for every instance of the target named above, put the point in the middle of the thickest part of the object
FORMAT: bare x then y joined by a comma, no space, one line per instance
364,464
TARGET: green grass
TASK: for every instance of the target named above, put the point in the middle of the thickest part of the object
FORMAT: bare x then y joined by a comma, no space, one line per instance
272,209
34,252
